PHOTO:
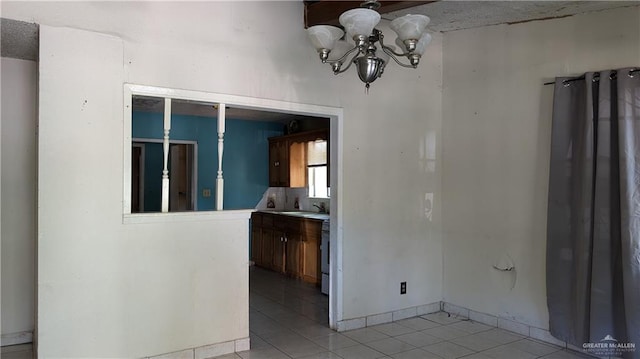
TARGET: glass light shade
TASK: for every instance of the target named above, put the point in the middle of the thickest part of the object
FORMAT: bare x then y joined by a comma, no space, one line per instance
324,36
422,43
410,26
401,45
359,21
341,47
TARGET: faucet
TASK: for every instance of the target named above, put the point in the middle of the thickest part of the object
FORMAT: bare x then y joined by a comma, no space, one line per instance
321,208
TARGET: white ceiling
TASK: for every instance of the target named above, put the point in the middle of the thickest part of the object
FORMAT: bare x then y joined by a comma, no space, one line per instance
449,15
20,39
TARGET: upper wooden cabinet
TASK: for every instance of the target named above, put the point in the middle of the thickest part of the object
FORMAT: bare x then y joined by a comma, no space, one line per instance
278,163
288,158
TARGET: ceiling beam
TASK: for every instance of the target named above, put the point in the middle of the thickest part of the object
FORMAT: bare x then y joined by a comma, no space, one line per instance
326,12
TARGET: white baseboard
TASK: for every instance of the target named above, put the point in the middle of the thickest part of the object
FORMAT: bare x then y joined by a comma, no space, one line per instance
387,317
526,330
208,351
511,325
16,338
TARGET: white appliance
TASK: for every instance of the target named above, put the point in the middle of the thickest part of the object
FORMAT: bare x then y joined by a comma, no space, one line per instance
324,258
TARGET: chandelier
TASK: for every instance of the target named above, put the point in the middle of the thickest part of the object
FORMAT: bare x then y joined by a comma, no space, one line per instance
368,50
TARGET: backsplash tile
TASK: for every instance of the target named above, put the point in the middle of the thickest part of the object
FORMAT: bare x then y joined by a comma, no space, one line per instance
285,199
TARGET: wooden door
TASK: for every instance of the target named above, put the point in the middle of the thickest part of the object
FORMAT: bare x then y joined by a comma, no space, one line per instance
180,177
136,179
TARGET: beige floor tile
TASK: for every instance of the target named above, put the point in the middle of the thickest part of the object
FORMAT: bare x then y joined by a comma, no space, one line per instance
359,352
477,356
416,354
418,323
229,356
470,326
392,329
441,318
263,354
500,336
323,355
508,352
448,350
566,354
419,339
475,342
334,341
365,335
534,347
445,332
390,346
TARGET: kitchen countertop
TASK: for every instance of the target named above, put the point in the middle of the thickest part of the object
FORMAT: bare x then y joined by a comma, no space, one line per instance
302,214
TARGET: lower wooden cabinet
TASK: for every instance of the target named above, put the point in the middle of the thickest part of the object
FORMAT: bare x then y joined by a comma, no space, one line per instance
287,244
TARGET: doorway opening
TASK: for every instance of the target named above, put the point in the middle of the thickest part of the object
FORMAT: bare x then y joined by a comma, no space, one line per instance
146,175
218,192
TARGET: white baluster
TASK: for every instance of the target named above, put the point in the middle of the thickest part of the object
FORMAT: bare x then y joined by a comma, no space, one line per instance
219,179
165,148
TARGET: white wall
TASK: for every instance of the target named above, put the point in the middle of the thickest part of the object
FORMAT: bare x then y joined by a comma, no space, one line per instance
259,49
108,289
18,199
496,141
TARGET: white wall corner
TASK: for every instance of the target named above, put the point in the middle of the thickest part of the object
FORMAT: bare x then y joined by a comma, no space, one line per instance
379,319
509,325
456,310
16,338
182,354
545,336
214,350
405,313
428,308
242,345
351,324
483,318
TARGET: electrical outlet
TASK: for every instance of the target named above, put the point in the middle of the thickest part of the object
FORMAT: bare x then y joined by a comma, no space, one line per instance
206,193
403,287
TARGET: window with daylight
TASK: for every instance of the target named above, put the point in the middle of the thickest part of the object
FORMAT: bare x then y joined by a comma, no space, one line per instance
317,169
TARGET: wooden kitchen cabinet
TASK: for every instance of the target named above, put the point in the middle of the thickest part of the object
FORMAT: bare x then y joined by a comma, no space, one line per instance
292,255
279,252
287,244
288,158
278,162
256,241
311,231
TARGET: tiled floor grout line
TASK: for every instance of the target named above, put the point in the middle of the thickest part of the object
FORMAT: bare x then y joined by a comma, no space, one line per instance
274,301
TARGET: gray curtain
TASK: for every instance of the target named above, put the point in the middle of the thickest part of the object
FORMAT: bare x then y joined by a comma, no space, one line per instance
593,220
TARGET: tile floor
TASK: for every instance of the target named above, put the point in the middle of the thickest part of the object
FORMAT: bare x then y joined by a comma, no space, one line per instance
22,351
289,319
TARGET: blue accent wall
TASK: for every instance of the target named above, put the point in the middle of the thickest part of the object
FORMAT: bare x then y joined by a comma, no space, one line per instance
245,164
